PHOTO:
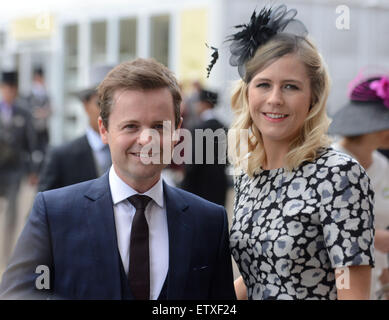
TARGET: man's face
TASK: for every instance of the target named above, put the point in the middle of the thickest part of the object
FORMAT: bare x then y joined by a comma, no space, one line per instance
8,93
135,116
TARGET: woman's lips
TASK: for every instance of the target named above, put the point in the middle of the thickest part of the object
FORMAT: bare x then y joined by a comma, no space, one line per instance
274,117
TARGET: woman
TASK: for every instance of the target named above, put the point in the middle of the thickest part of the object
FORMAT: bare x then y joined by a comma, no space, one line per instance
303,222
364,125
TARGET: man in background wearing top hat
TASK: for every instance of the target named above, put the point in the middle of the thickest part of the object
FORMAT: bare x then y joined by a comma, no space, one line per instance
17,143
208,179
39,103
86,157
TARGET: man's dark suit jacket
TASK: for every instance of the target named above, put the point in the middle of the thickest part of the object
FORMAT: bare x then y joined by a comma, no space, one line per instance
72,231
208,181
17,141
68,164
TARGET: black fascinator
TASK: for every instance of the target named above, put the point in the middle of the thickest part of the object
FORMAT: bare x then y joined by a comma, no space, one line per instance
262,27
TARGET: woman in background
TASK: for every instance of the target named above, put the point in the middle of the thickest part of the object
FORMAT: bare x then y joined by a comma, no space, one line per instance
363,124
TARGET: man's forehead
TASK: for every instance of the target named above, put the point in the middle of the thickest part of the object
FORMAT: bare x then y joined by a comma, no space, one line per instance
118,93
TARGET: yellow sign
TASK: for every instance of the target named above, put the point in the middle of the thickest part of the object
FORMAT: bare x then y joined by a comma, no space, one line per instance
193,52
34,27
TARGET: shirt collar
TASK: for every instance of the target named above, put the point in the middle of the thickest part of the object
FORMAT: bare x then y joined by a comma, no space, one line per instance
120,190
94,139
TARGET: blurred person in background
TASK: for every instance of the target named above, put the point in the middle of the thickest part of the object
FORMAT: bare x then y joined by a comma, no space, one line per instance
189,106
86,157
385,152
17,144
39,103
208,180
363,124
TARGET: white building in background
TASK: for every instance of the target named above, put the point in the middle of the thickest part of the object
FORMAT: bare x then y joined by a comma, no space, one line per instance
68,37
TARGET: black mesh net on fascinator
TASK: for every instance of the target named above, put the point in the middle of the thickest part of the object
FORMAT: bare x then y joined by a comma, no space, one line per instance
261,28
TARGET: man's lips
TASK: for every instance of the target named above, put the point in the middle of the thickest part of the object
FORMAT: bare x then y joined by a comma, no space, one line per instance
143,155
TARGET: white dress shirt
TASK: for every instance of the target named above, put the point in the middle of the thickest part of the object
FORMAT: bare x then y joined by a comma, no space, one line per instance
155,213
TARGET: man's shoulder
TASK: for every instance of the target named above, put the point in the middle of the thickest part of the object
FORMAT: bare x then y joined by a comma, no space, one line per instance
71,147
72,192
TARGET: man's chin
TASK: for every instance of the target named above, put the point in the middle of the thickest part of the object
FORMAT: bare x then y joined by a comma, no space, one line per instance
145,171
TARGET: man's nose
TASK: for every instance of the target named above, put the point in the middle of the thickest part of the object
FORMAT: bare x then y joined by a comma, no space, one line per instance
145,136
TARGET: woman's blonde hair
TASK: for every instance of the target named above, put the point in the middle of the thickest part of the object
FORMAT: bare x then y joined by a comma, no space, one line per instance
249,154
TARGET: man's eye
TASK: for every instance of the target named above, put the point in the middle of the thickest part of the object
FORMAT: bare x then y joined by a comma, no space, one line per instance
159,126
130,126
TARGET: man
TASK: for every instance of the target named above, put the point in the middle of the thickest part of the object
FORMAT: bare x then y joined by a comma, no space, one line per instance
127,234
17,143
39,103
208,179
86,157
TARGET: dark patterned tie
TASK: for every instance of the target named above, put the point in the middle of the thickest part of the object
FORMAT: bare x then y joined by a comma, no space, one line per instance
139,268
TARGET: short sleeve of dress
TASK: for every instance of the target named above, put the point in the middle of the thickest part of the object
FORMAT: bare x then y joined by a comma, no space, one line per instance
346,213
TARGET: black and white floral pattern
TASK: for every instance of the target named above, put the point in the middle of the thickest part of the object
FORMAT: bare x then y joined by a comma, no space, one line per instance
291,229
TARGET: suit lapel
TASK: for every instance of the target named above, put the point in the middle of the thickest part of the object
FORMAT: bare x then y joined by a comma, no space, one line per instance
180,242
102,233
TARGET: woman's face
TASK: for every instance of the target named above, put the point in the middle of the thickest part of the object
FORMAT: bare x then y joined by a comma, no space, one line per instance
382,138
279,99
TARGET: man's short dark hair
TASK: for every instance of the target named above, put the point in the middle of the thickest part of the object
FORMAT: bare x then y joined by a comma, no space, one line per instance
139,74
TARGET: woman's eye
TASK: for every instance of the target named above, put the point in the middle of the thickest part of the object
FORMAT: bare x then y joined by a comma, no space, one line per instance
263,85
291,86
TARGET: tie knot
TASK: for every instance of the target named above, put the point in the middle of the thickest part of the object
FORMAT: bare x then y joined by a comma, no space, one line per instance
139,201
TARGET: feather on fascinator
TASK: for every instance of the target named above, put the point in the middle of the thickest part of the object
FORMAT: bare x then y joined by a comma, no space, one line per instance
261,28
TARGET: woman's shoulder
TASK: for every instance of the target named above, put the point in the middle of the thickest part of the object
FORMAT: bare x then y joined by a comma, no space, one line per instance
330,157
333,164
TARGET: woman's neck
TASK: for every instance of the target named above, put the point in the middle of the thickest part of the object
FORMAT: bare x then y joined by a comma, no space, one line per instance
362,149
275,155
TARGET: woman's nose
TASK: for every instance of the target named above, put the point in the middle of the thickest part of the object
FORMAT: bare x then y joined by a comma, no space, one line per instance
275,96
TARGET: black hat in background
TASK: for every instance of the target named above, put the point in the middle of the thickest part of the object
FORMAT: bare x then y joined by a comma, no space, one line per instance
10,78
208,96
38,71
